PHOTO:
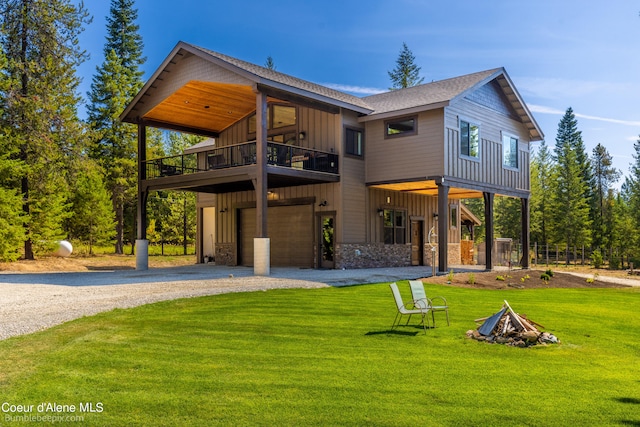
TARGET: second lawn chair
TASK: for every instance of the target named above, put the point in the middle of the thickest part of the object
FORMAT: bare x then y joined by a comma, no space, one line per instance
421,301
403,310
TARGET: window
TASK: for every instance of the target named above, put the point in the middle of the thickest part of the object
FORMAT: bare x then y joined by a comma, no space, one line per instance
509,151
454,216
278,116
354,141
400,127
469,139
395,226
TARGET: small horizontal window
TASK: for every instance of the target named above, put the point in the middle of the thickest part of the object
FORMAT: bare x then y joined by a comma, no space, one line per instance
400,127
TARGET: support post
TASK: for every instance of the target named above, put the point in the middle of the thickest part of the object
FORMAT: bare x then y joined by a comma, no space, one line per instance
261,243
488,222
443,225
525,232
142,244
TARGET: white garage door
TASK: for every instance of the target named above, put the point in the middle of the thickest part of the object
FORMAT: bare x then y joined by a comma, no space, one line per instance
290,229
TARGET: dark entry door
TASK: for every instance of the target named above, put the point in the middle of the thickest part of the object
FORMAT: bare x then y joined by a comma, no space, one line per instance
325,239
417,243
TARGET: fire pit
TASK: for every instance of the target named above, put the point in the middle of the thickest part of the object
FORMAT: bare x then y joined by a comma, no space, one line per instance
510,328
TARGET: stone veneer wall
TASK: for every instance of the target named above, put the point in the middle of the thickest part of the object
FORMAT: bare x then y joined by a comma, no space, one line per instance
225,254
371,255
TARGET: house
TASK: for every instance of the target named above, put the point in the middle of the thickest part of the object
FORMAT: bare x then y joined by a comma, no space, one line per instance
299,174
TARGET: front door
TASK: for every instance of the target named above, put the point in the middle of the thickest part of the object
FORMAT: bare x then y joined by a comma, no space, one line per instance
417,243
325,241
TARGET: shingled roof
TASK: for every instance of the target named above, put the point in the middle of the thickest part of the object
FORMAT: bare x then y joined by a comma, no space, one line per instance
428,94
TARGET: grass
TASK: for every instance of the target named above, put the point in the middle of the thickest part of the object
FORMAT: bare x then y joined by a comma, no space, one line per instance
327,357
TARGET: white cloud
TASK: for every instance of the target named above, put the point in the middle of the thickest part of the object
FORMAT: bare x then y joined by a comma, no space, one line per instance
550,110
354,89
553,88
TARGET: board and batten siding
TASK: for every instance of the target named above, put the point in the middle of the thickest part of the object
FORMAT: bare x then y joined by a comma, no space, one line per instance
352,218
319,128
417,206
488,169
406,157
226,224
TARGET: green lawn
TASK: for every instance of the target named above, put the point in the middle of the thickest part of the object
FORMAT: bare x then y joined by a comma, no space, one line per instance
327,357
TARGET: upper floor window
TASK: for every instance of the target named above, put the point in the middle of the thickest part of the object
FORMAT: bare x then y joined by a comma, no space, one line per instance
469,139
395,226
278,116
401,127
509,151
354,142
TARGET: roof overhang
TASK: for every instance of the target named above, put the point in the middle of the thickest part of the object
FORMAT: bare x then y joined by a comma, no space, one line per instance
198,91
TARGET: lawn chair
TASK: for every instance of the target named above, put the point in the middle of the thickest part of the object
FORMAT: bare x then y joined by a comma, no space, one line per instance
420,300
404,311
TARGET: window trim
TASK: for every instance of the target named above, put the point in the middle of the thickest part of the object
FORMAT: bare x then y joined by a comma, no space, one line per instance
395,228
502,141
470,123
414,131
348,129
271,131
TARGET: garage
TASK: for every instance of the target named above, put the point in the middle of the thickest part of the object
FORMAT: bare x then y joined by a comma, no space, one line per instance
290,229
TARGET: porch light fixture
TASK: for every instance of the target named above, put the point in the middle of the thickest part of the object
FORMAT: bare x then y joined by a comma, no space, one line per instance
380,212
323,203
223,210
435,216
388,200
302,136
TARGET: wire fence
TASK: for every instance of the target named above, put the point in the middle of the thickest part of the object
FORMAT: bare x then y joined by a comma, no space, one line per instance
508,253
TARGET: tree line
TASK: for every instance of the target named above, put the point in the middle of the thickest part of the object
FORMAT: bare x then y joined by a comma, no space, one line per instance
63,177
575,201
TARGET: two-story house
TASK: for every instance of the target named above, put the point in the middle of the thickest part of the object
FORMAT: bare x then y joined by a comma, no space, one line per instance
298,174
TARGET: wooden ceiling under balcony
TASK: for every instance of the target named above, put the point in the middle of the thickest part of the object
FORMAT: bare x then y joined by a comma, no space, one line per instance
205,106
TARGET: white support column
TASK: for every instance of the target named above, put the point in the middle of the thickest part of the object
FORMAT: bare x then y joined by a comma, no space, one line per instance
142,254
261,256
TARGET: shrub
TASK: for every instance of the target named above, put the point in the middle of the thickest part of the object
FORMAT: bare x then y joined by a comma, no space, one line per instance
472,279
549,273
545,277
614,263
501,278
450,275
596,259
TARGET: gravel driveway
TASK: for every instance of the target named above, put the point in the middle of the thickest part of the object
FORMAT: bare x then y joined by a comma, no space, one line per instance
32,302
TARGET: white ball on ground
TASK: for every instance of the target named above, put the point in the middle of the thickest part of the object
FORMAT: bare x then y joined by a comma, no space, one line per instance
64,249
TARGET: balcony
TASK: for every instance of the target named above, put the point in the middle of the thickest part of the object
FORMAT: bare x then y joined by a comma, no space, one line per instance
282,155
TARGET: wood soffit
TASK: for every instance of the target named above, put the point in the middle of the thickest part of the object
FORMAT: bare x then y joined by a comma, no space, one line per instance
429,188
207,106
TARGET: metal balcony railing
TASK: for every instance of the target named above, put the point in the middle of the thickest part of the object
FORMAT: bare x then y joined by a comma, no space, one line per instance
244,154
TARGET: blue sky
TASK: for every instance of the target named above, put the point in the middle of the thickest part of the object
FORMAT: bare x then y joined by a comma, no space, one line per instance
581,54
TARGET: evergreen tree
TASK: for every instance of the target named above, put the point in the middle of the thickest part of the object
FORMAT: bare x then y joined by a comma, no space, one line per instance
117,81
569,206
270,64
508,219
605,176
541,184
406,73
92,221
40,40
631,193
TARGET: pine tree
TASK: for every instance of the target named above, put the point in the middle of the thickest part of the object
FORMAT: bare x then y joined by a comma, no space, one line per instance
631,192
605,175
406,73
270,64
541,183
117,81
92,221
570,208
508,220
40,40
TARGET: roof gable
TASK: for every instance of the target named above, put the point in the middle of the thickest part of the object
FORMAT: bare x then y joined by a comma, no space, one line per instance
442,93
